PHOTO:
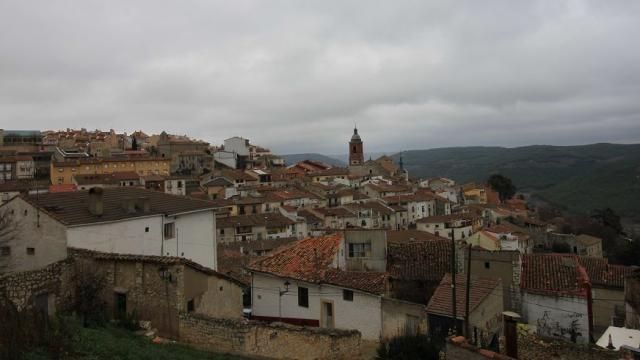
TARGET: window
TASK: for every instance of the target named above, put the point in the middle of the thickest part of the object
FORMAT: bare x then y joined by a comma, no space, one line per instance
347,295
179,184
221,231
487,265
303,297
191,306
31,251
5,251
146,229
360,250
169,230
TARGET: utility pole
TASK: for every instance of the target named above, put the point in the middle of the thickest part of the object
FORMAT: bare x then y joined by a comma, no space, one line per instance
467,327
453,279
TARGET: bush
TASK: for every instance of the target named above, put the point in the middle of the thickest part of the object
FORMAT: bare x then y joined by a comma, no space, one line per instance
409,348
24,329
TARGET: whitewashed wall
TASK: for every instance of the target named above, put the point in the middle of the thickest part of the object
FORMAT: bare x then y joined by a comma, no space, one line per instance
363,313
194,237
555,316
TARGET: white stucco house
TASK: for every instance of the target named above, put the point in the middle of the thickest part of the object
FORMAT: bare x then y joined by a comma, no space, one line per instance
122,220
557,297
310,283
462,225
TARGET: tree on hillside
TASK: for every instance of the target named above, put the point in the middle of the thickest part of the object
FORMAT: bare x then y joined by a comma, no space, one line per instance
502,185
607,217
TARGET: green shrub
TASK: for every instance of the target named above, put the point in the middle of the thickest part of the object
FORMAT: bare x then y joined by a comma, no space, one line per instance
418,347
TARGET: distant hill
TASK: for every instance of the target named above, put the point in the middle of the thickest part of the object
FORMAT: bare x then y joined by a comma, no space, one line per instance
294,158
579,178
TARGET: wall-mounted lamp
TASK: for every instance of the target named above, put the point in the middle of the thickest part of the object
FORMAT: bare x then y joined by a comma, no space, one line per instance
286,288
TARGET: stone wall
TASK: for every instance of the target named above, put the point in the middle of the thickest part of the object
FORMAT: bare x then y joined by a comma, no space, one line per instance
276,340
54,280
458,348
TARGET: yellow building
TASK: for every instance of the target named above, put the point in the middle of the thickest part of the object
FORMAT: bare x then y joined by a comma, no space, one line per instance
63,172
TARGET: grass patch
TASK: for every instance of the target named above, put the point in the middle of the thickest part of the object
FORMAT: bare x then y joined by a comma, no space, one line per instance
119,344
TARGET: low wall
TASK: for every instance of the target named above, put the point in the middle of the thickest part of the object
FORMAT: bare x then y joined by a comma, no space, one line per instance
280,341
54,280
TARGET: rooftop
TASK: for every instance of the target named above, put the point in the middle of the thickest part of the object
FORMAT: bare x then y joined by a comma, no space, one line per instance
424,260
71,208
311,260
441,302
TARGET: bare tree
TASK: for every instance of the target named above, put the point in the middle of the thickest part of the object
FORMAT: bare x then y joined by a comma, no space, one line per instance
8,228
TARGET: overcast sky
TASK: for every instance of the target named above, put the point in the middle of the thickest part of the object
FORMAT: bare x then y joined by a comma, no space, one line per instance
296,75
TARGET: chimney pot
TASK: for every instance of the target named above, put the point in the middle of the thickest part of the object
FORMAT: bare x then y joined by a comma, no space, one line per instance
96,205
129,205
144,204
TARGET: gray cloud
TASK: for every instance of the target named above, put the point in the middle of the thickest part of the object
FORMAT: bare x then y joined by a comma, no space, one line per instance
295,76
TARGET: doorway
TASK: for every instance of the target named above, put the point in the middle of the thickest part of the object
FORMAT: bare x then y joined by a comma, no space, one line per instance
327,315
120,306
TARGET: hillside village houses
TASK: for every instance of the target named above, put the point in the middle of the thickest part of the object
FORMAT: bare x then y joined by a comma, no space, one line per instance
232,226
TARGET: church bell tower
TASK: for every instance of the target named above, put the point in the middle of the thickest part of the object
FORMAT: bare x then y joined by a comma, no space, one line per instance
356,153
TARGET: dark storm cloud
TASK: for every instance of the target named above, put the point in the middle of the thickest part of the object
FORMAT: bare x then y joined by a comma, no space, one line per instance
296,76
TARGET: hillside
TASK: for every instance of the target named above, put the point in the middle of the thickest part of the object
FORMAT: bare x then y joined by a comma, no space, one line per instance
580,178
294,158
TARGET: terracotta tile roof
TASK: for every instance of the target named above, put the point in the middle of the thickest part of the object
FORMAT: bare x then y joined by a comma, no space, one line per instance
311,260
481,288
269,220
165,260
71,208
307,260
553,274
62,188
371,282
601,273
425,260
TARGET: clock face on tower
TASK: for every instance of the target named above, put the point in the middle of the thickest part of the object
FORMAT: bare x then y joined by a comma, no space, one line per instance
356,153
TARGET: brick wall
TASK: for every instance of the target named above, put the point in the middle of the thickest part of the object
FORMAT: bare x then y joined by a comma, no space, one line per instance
282,341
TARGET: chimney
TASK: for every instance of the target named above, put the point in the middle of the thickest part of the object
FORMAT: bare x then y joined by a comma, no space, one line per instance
511,333
96,205
143,204
129,205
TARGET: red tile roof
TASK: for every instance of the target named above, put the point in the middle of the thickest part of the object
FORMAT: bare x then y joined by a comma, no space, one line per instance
306,260
481,289
60,188
372,282
311,260
553,274
601,273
